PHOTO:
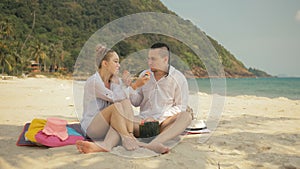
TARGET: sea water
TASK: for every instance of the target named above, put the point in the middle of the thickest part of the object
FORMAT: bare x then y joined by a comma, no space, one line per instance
264,87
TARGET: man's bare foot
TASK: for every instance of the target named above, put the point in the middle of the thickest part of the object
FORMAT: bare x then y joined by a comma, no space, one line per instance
89,147
129,143
156,147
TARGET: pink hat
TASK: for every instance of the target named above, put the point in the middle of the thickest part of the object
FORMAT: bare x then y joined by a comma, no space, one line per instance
56,127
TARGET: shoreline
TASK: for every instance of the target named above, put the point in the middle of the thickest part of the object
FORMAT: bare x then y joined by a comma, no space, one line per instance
253,132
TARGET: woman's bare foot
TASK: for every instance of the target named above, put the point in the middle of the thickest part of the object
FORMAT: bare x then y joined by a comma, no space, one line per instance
157,147
89,147
129,143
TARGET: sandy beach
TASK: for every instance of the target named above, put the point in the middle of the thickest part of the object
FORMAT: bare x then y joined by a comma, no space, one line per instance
254,132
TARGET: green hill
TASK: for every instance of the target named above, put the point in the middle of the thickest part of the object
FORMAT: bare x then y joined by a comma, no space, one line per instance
51,34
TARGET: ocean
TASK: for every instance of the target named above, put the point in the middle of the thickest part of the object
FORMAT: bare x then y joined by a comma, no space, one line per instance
265,87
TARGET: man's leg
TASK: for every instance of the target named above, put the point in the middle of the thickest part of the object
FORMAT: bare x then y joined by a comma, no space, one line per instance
170,128
173,126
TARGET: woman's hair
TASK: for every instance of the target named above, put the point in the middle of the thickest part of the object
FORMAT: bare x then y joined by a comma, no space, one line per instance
102,53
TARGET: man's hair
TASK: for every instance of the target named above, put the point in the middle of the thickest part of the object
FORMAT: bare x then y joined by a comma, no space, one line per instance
160,45
163,52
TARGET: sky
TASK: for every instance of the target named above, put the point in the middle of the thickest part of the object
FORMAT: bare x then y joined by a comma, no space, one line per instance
263,34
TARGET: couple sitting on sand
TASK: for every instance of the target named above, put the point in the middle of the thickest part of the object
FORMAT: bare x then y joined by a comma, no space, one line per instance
161,93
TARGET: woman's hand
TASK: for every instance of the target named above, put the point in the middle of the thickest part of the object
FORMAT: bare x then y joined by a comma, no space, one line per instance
115,79
126,78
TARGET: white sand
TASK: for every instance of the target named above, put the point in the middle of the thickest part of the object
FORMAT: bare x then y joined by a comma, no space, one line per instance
254,132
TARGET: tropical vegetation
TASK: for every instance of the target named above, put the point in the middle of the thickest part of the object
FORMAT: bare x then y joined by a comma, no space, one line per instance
47,36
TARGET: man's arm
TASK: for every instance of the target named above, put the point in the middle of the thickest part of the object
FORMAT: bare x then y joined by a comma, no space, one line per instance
180,97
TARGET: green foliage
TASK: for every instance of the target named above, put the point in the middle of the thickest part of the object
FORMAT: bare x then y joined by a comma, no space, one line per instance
258,73
53,32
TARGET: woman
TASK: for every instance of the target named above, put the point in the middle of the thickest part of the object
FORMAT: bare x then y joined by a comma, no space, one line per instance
107,112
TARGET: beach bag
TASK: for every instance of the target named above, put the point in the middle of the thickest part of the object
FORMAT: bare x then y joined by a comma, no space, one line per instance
149,129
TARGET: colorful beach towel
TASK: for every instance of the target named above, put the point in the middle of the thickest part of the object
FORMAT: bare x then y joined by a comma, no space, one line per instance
73,129
35,126
55,141
22,141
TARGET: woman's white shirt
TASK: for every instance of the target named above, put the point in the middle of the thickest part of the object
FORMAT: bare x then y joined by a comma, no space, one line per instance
97,97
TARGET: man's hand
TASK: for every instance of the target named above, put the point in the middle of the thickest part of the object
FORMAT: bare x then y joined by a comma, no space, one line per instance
150,119
141,81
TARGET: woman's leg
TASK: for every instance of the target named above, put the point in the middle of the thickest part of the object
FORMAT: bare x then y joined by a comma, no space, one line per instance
112,116
128,114
117,116
136,126
98,130
112,139
123,123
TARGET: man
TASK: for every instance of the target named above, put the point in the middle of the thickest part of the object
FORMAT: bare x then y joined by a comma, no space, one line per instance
162,97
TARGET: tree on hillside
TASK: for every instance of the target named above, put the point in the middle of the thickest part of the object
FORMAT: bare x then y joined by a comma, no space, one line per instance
55,56
6,60
40,56
6,30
